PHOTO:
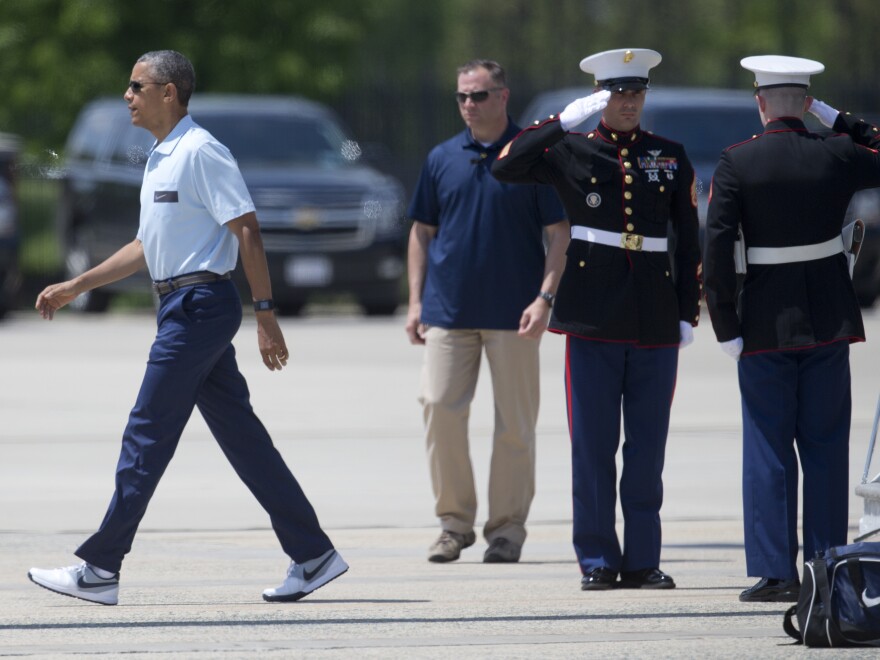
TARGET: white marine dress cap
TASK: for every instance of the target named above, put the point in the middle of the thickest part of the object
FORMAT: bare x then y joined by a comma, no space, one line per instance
621,69
781,70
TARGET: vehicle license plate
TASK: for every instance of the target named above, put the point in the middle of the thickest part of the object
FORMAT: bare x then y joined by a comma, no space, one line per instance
308,271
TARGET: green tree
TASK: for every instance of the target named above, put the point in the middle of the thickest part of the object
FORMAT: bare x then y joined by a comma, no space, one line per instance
57,54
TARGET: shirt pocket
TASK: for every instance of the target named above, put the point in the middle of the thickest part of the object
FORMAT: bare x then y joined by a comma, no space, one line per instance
658,197
596,182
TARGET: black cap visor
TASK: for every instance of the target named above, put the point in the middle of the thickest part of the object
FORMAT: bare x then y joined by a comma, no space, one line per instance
623,84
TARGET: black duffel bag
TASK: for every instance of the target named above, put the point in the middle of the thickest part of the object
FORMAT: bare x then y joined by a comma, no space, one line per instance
839,604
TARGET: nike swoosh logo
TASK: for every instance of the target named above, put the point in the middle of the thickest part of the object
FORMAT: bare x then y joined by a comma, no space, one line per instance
867,600
82,584
308,575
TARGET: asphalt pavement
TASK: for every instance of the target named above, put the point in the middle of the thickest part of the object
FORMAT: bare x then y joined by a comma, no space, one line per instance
346,418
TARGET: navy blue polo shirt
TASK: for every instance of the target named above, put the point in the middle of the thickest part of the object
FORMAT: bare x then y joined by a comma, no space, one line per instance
486,263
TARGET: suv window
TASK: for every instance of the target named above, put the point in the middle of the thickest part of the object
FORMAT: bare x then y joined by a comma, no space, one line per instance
704,133
276,140
132,147
89,139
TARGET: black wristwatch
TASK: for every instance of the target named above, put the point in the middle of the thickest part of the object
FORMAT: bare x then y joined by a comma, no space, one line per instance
548,297
264,305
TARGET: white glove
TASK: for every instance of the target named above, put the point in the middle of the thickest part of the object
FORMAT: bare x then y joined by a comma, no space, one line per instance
687,334
824,112
733,347
579,109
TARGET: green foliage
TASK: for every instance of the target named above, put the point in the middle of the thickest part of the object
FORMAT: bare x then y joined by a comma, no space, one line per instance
57,54
49,67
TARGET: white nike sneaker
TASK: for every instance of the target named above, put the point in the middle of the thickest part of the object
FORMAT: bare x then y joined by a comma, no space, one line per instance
303,579
79,582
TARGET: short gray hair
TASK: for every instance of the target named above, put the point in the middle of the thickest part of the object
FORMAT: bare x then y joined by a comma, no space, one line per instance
172,67
496,71
785,101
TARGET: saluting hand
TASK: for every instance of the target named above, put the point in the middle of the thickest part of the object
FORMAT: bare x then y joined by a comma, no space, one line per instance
271,341
579,109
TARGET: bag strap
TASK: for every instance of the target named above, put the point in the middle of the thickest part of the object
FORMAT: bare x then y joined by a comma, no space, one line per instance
820,575
788,625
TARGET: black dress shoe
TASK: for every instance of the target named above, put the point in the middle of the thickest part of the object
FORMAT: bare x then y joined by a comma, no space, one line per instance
599,579
770,590
647,578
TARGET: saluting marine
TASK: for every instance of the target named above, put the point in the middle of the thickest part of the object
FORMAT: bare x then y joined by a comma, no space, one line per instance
623,304
786,192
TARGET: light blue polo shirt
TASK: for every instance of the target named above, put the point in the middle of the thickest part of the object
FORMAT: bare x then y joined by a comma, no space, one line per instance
192,187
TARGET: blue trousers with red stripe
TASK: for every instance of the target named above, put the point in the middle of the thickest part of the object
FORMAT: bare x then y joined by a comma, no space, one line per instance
794,399
192,364
602,379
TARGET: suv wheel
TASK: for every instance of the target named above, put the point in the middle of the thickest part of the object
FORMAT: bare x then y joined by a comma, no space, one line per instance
289,307
77,263
380,308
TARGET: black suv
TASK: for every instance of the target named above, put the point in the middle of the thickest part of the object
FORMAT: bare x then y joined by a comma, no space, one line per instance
329,222
706,121
10,278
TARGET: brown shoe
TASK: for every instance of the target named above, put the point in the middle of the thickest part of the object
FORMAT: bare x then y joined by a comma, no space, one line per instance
502,551
449,546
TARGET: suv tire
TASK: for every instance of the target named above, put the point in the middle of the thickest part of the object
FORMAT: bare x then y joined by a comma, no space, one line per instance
76,263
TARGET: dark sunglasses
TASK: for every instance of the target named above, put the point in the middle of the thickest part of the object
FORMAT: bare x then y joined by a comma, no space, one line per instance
476,97
136,86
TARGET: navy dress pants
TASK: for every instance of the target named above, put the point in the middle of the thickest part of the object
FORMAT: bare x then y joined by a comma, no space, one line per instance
192,363
602,378
794,398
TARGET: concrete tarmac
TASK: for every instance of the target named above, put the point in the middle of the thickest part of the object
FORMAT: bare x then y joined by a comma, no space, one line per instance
346,418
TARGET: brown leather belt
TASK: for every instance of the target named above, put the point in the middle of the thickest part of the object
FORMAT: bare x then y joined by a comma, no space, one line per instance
167,286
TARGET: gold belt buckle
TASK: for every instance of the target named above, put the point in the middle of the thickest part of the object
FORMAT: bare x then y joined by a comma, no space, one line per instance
631,241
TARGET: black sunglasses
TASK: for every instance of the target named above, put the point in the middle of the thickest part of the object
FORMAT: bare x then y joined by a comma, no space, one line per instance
136,86
476,97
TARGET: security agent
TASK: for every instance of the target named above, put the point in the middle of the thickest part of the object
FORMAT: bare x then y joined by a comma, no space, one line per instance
790,329
624,305
196,215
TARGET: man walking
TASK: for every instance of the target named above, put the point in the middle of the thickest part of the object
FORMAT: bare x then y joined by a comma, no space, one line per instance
196,214
479,281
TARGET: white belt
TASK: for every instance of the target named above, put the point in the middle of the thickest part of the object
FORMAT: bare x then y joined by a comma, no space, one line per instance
625,241
786,255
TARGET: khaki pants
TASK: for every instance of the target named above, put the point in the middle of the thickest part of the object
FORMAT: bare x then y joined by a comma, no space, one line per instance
449,379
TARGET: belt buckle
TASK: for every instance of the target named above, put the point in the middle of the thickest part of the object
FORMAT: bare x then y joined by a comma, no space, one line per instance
631,241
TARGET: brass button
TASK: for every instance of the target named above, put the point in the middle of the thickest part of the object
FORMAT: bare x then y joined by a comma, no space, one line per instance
627,164
593,180
627,195
667,273
630,226
624,152
632,138
662,188
628,178
590,135
614,136
582,264
628,211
